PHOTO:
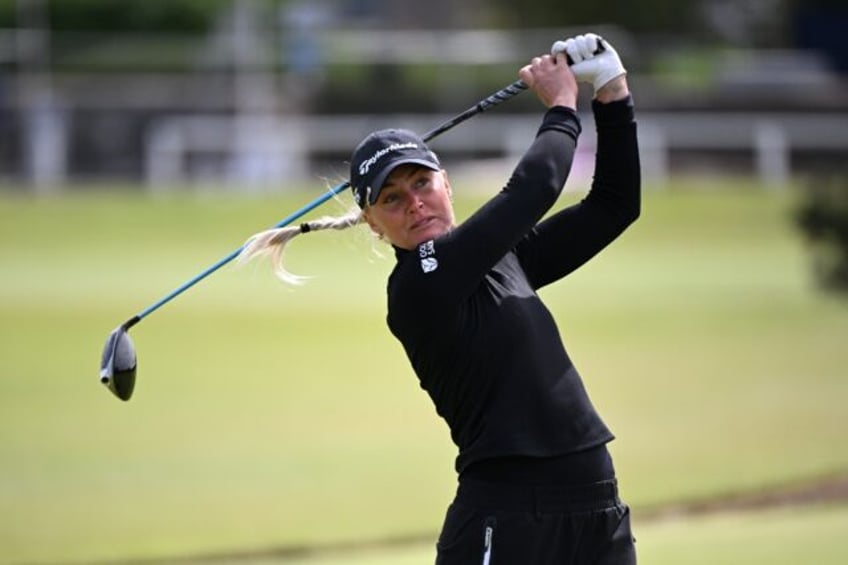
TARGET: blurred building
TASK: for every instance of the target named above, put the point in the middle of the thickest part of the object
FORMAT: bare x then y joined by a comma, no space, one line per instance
276,93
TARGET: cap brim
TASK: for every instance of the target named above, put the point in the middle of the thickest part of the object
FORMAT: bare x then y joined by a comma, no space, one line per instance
380,179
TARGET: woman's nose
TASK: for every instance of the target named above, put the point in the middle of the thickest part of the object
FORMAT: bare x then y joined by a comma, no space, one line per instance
415,203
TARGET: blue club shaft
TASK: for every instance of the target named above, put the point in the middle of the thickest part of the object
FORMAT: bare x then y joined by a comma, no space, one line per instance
224,260
500,96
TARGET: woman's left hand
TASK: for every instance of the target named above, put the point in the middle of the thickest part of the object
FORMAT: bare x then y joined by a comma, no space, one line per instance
552,80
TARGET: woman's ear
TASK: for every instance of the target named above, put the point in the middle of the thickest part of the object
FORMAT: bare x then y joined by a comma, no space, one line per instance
371,223
448,186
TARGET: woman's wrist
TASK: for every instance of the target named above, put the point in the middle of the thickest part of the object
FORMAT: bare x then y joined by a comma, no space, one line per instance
616,89
567,101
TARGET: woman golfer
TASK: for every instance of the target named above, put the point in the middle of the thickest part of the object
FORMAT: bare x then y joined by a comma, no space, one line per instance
536,482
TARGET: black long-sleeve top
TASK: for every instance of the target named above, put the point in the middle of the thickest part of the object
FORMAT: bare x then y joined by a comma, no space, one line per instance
465,308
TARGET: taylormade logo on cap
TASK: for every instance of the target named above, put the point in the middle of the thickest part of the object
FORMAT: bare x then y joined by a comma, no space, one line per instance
366,165
379,154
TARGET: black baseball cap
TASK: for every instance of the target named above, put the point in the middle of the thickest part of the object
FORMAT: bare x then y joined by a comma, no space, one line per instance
379,154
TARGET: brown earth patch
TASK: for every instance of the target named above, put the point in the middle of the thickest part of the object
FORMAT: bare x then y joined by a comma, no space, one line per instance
826,489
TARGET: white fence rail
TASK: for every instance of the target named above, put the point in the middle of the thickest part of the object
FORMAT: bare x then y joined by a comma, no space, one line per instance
261,150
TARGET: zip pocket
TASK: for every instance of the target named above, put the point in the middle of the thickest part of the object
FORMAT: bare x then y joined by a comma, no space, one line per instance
488,539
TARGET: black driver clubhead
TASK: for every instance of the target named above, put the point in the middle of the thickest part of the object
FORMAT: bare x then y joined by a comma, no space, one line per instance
118,364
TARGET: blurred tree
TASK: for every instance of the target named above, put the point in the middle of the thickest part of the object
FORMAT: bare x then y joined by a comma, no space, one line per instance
124,15
645,16
821,25
823,217
8,13
747,23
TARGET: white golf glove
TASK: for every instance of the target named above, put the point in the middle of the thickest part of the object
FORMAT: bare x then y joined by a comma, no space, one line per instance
593,59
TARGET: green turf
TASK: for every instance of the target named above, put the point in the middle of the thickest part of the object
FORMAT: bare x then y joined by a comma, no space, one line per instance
266,416
779,537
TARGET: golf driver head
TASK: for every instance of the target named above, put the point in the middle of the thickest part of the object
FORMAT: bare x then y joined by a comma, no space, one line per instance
118,364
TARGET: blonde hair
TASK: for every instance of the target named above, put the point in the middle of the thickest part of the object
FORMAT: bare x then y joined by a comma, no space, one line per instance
272,242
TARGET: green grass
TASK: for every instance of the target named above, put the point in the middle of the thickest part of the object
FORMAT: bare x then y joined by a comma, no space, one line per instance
266,416
777,537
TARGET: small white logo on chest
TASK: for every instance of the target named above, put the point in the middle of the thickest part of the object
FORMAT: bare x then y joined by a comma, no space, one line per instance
426,252
429,264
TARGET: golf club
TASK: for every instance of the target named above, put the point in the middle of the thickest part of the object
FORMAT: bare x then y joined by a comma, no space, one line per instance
118,363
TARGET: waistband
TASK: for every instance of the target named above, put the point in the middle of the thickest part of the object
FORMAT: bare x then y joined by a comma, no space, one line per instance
544,499
580,467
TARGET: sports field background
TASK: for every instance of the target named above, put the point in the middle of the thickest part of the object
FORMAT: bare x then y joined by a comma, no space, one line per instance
267,417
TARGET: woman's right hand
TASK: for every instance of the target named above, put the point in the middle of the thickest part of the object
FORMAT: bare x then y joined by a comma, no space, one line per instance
552,80
595,61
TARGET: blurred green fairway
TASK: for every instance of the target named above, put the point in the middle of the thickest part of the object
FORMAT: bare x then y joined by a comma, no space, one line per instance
269,417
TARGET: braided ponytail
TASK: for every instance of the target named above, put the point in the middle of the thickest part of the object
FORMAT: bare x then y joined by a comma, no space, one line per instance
272,242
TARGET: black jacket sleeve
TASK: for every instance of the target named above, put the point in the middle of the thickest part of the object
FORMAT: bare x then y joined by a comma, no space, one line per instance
566,240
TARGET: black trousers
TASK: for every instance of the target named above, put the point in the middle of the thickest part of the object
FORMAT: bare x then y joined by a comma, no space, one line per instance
502,524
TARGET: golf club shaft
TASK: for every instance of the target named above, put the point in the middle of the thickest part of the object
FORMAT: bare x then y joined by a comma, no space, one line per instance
500,96
224,260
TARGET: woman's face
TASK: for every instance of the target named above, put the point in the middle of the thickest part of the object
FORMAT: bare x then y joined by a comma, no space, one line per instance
414,206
